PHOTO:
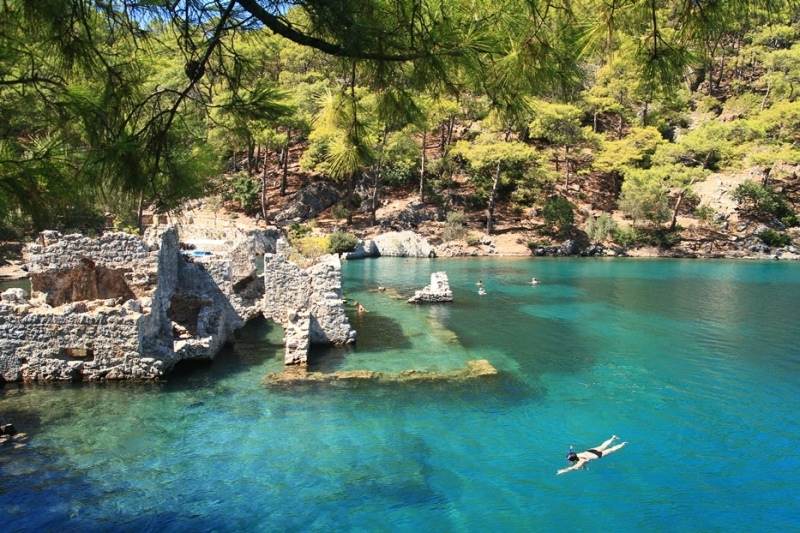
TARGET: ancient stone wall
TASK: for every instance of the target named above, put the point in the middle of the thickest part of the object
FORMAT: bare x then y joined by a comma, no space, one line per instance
317,289
72,342
181,312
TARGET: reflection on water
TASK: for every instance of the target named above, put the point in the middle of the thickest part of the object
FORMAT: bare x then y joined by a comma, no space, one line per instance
694,363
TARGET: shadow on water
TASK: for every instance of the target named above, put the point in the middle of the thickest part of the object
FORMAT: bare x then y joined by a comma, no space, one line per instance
251,347
376,332
492,393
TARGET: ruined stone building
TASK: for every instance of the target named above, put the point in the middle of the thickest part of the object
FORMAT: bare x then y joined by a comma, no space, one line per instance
124,307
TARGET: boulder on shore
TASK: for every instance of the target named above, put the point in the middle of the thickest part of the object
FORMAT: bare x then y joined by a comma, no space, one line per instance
364,248
403,244
438,290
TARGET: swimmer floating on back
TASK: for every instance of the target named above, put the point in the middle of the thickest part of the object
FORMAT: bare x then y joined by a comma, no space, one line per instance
579,460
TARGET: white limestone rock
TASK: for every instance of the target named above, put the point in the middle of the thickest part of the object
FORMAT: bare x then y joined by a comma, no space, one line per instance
438,290
403,244
13,296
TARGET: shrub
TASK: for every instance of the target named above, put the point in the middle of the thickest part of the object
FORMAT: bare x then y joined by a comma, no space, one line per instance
298,231
627,237
340,242
770,237
764,201
600,227
559,212
339,211
312,246
245,192
705,213
633,236
454,226
473,240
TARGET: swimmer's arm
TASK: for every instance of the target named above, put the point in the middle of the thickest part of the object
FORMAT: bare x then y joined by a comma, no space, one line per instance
576,466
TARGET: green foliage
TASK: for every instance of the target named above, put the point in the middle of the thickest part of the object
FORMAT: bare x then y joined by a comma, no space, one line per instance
559,212
705,213
339,212
632,237
454,226
245,191
473,240
635,150
763,201
770,237
340,242
312,246
599,228
298,231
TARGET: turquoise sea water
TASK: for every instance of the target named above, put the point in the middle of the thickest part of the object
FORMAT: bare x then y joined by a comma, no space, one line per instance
696,364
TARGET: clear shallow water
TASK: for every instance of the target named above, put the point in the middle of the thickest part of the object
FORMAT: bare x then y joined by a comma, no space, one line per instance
697,364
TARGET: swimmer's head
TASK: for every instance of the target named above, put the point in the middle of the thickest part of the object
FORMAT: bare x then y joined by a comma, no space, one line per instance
572,457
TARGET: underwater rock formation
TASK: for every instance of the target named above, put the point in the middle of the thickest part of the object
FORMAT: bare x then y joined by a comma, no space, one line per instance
477,368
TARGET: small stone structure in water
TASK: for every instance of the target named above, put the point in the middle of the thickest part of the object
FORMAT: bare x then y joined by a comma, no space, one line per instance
438,290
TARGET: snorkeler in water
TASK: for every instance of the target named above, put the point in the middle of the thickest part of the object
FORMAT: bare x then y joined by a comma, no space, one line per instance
580,459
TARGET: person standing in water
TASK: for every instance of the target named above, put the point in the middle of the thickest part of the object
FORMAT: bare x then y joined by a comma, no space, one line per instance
579,460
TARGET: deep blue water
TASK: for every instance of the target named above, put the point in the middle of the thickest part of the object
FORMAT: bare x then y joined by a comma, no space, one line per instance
696,364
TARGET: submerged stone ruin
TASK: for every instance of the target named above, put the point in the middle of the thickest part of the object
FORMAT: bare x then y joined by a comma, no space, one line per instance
438,291
307,302
477,368
124,307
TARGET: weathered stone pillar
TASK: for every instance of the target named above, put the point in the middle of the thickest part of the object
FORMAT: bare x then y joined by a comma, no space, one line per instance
296,336
437,291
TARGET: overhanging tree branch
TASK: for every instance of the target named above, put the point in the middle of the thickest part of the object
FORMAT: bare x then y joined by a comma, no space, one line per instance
275,24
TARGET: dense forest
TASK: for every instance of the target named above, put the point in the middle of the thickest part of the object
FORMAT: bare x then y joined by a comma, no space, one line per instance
587,113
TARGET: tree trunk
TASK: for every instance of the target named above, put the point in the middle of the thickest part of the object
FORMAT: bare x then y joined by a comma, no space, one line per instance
490,209
351,185
645,110
377,181
250,150
450,127
422,168
566,167
285,167
264,188
140,213
678,203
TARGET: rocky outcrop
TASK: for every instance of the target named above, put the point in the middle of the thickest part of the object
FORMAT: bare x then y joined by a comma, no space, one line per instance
475,369
308,202
364,248
437,292
407,217
318,289
403,244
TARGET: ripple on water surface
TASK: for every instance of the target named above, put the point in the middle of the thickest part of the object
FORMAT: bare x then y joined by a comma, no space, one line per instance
694,363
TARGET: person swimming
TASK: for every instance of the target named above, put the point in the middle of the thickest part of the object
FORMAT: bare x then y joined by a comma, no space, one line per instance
534,281
579,459
481,291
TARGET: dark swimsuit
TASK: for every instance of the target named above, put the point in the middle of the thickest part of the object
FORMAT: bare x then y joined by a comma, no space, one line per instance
598,454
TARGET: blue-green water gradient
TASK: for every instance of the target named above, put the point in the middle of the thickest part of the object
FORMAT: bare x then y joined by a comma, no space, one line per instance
696,364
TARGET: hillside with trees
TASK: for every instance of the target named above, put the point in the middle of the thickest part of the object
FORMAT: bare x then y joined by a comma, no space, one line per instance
631,123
